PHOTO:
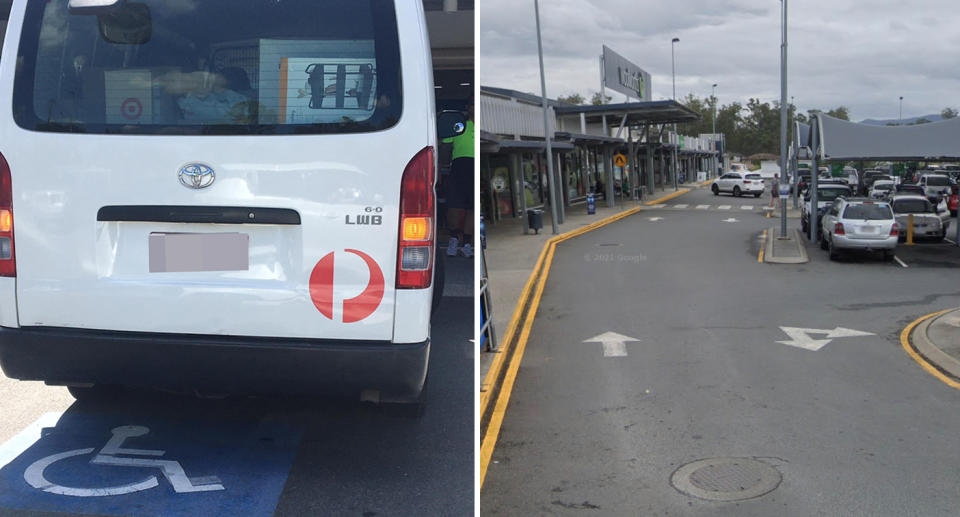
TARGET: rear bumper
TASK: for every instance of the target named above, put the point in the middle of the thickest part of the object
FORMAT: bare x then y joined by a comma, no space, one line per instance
231,364
846,243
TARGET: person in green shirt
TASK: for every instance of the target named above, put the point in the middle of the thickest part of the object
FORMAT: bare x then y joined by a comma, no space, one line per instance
459,189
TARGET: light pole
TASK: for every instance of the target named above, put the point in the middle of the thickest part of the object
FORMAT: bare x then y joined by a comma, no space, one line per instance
900,117
673,69
713,95
546,127
783,120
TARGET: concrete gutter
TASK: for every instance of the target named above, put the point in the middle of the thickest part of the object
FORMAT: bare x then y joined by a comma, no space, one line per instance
929,350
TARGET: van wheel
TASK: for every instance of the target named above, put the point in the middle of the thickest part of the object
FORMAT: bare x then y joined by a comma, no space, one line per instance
415,408
715,189
736,192
439,279
97,392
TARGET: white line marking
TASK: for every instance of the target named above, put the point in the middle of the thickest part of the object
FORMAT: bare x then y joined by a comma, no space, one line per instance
680,206
723,207
949,240
746,207
655,219
661,205
15,446
703,207
900,261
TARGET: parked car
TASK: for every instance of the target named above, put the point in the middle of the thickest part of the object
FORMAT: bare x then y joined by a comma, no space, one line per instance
869,177
826,195
881,189
859,224
199,229
935,184
926,220
738,184
909,188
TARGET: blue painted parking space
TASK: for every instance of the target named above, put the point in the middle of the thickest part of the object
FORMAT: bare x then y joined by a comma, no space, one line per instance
138,464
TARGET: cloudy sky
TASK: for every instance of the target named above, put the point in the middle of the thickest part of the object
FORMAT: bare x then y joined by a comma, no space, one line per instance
859,54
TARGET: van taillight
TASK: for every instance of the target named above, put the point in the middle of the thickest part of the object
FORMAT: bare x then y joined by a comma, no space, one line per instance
8,261
415,241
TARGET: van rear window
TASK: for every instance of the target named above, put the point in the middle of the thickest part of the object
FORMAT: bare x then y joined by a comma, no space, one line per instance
210,67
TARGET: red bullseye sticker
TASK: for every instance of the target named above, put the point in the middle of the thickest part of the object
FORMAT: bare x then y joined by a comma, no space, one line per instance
131,108
354,309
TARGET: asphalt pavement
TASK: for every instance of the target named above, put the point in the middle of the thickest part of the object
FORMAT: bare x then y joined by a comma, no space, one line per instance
796,368
251,456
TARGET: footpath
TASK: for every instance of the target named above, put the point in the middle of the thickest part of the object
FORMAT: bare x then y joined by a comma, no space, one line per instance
934,342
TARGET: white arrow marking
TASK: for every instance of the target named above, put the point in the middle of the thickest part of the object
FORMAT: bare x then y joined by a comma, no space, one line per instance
800,337
614,345
731,220
655,218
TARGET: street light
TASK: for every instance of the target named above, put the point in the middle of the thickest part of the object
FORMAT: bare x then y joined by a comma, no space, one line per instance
900,118
783,120
713,95
546,128
673,69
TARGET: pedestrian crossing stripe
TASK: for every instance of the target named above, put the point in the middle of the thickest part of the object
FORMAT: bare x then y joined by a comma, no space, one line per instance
680,206
703,207
723,207
661,205
746,207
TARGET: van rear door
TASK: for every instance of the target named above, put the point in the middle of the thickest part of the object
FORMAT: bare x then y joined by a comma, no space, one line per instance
202,168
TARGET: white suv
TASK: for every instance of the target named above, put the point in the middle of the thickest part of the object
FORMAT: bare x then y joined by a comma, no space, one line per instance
193,200
738,184
859,224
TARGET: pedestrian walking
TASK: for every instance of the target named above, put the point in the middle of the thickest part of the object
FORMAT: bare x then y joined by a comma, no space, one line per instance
459,192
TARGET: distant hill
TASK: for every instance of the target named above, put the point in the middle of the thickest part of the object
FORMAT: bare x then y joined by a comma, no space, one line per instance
884,122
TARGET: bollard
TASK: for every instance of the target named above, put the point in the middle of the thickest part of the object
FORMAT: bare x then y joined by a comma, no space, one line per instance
591,204
910,230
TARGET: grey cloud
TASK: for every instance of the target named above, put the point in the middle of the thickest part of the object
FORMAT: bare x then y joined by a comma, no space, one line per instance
855,54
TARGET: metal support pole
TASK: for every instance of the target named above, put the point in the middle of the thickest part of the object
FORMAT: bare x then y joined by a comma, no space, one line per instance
562,184
783,121
608,168
546,126
814,182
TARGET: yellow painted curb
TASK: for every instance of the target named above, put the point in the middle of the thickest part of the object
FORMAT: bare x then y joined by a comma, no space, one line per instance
931,369
705,183
763,246
668,197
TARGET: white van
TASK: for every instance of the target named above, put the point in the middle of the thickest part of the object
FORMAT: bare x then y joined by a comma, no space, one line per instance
218,195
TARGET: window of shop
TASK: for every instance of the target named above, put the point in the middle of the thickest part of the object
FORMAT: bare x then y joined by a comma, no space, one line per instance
533,179
496,192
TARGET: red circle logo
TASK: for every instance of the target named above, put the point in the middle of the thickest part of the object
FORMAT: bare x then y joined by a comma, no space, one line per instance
131,108
354,309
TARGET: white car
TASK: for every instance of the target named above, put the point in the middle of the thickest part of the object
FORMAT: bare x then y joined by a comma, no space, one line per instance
738,184
881,189
193,201
859,224
935,185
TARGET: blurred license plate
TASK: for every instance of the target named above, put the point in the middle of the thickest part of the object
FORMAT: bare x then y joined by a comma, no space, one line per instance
869,229
183,252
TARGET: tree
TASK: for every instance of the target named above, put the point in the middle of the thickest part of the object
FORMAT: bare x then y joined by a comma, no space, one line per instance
842,113
919,121
599,99
948,113
573,98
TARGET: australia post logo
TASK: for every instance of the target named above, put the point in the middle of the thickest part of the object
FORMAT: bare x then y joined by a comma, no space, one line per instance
355,309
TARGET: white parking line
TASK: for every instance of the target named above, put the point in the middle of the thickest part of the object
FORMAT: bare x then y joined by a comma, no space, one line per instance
746,207
951,241
680,206
15,446
703,207
899,261
723,207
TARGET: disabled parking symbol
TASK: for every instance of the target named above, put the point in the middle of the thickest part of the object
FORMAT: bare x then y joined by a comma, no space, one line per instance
114,454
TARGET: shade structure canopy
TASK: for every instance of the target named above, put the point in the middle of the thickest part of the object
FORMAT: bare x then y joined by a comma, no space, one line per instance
637,113
844,140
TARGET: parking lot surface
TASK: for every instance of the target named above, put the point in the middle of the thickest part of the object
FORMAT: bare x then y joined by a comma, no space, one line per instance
150,453
661,342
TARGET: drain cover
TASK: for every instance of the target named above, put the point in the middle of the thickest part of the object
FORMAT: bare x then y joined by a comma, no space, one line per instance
726,479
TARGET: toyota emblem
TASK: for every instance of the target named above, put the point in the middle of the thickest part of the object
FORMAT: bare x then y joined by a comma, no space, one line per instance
196,175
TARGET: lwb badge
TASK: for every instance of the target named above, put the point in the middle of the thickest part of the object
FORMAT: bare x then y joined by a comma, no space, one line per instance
196,175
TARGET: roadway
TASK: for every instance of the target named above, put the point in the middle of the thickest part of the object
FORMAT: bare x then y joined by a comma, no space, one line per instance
848,422
283,456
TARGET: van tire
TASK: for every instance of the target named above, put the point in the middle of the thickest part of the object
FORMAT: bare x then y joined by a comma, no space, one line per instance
97,392
415,408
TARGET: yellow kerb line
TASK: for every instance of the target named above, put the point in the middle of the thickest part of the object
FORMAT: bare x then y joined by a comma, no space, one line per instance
931,369
763,246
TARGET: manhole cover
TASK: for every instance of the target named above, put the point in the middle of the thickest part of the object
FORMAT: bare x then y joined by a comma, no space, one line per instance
726,479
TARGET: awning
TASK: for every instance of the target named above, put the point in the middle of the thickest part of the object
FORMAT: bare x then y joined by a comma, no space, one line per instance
489,142
638,113
580,138
844,140
533,146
